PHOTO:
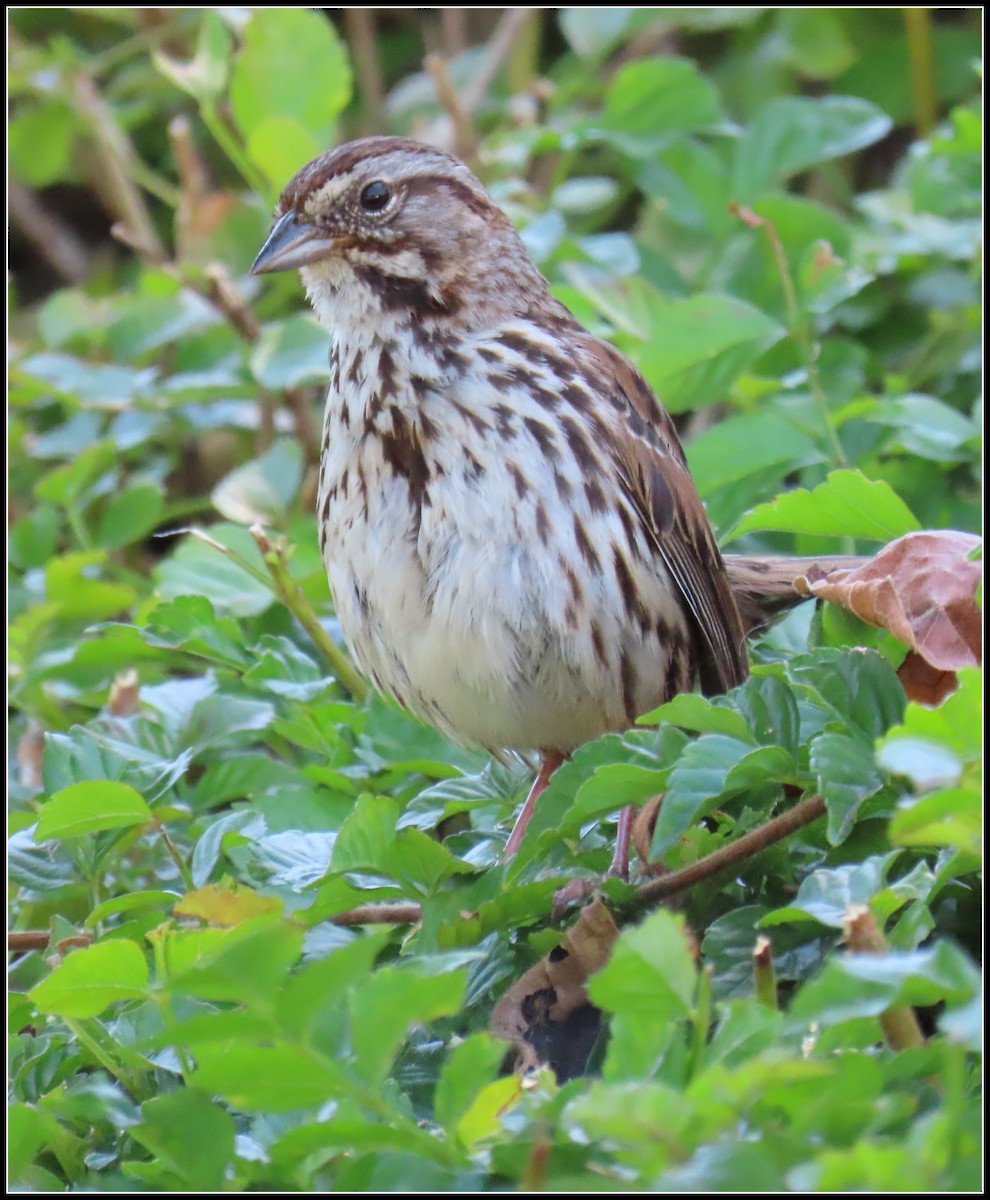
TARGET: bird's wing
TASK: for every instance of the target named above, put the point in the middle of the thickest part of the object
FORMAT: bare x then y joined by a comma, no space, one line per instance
656,480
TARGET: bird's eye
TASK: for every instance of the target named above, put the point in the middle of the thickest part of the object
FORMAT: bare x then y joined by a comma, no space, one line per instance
375,196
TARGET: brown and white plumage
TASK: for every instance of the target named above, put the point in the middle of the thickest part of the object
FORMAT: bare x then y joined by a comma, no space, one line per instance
516,549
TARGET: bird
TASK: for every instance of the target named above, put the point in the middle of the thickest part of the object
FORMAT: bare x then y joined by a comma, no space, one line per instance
516,549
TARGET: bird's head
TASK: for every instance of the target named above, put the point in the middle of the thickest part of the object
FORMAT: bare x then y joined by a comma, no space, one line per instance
394,224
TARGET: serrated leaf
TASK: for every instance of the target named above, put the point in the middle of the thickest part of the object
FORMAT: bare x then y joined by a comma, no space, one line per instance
792,133
384,1005
90,807
651,970
690,710
847,774
710,767
264,489
846,505
275,1078
130,515
691,351
652,97
91,978
283,53
190,1135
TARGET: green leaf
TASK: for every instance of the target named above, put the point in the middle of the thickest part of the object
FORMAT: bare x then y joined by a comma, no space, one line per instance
40,140
154,898
317,987
280,145
847,775
859,686
130,515
846,505
690,710
34,537
865,985
290,353
384,1005
93,977
264,489
190,1136
708,769
28,1129
469,1068
70,581
949,817
826,894
246,968
592,32
267,1078
691,351
738,447
928,427
205,75
651,971
292,65
199,568
652,97
953,731
792,133
91,807
190,623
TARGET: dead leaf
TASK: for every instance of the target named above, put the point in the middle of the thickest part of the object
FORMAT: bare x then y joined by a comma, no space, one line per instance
921,587
546,1014
125,698
30,749
218,904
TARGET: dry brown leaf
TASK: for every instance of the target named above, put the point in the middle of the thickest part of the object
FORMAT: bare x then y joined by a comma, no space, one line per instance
125,694
546,1014
921,587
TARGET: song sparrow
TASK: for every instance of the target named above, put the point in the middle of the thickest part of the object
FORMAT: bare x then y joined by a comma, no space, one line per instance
516,549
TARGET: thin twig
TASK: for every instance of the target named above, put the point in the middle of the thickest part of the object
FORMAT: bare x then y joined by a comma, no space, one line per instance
919,39
54,240
864,936
294,599
798,324
751,843
497,50
453,27
401,913
464,139
359,24
224,295
116,159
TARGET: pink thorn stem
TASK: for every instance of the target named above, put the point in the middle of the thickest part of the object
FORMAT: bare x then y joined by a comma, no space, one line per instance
550,760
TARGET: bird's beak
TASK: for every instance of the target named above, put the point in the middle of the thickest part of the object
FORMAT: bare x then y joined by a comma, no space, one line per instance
291,243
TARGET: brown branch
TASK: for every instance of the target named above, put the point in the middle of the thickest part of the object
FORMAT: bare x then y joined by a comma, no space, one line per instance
500,44
116,161
864,936
751,843
222,293
380,914
453,26
54,240
359,24
464,139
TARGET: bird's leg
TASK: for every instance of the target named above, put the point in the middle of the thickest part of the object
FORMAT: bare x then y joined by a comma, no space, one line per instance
550,760
620,858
